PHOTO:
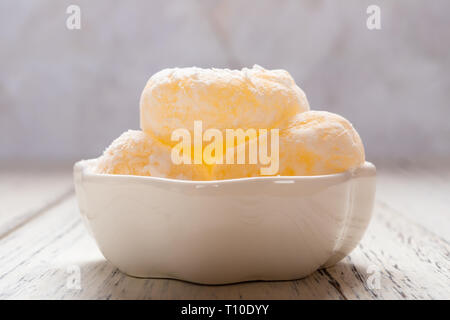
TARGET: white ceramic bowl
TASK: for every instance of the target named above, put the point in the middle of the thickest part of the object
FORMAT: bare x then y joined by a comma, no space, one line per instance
216,232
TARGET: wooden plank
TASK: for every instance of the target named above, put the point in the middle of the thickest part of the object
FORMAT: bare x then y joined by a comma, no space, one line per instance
37,259
28,192
420,193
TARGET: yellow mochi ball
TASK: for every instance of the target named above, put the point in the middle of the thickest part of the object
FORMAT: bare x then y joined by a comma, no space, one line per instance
319,142
312,143
220,98
139,153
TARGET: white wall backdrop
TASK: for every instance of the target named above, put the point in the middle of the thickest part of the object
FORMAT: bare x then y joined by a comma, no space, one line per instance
66,95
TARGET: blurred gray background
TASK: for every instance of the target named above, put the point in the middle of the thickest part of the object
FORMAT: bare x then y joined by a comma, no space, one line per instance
65,95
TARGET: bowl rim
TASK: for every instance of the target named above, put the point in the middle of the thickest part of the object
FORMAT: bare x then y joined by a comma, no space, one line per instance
82,166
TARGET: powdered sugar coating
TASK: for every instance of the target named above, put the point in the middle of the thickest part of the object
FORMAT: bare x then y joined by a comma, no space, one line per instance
221,98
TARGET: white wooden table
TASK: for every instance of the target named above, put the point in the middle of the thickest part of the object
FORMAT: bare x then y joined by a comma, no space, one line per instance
45,251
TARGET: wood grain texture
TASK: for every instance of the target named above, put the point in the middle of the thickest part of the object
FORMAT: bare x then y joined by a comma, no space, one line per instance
406,248
28,192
